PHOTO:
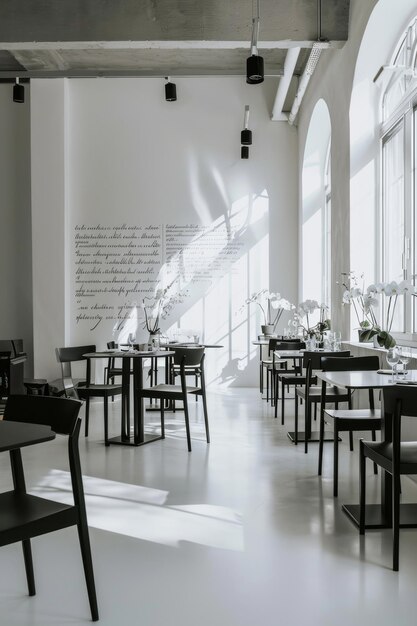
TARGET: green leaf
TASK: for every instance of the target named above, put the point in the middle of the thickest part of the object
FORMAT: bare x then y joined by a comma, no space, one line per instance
385,340
366,335
365,324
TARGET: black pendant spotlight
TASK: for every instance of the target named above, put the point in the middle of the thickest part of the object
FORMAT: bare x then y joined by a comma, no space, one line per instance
18,92
246,134
170,91
255,63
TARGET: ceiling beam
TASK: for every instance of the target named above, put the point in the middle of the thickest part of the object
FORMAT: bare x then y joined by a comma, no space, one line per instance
159,45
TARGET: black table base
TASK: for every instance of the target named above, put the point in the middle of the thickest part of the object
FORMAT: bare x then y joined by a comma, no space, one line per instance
130,441
314,436
374,518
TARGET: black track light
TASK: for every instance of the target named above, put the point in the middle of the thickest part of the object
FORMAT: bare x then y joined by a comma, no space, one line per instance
255,63
244,152
246,134
18,92
170,91
254,70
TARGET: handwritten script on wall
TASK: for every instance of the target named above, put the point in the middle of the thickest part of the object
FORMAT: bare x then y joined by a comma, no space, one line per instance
116,266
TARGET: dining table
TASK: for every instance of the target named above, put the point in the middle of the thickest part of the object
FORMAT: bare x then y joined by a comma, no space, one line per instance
376,515
132,361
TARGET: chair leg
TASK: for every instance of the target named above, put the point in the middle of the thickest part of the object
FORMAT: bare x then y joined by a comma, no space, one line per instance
282,403
321,440
307,422
276,398
296,419
87,416
362,479
196,384
351,441
396,522
205,412
162,419
30,577
187,423
315,411
375,465
88,568
335,459
106,420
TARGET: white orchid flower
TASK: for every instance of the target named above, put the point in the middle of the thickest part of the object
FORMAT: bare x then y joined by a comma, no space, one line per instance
356,292
347,297
390,289
369,301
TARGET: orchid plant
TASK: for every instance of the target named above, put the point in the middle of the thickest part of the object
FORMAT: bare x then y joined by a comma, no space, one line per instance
364,302
160,305
271,305
302,317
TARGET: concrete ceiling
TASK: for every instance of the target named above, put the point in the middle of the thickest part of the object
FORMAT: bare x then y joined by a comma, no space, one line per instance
48,38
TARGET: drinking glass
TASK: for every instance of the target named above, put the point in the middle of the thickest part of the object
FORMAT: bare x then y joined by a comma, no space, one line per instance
392,359
404,358
131,341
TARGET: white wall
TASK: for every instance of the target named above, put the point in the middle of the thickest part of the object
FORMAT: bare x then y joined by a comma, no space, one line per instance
15,222
130,157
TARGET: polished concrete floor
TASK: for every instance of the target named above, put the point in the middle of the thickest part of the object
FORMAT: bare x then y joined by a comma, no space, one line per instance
241,532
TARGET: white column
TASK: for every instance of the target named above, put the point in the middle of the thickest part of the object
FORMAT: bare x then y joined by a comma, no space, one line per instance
49,209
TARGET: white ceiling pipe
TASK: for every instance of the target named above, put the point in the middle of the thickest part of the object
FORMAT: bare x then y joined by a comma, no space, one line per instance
284,85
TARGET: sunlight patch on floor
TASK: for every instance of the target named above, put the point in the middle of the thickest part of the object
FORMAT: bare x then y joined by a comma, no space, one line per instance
140,512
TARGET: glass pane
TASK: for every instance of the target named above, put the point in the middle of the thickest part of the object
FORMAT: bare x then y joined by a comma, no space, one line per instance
393,216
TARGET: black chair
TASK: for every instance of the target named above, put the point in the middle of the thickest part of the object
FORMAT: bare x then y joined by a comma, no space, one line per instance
290,378
26,516
392,455
265,364
279,365
311,394
184,358
190,370
85,390
348,420
111,371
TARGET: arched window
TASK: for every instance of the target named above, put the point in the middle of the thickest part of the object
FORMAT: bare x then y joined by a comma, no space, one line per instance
316,208
398,176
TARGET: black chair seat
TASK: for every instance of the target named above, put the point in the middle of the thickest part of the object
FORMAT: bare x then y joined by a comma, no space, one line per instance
277,362
314,393
293,379
381,453
99,390
354,414
159,391
38,515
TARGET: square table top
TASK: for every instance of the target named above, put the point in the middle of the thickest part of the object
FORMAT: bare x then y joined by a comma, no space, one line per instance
365,379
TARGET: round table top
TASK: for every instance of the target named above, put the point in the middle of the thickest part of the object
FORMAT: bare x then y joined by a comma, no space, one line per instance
134,354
